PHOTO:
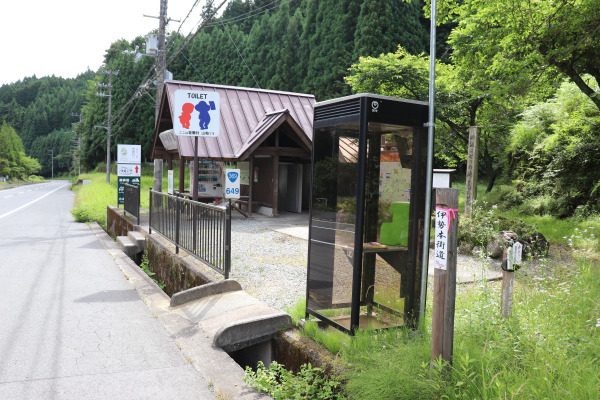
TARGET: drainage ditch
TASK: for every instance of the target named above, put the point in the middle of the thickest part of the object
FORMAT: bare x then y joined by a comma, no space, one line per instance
288,348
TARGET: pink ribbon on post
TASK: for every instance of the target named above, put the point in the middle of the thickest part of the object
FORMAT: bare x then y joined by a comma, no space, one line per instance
448,211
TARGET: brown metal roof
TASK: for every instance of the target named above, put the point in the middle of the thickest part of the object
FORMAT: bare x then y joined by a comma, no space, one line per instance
248,116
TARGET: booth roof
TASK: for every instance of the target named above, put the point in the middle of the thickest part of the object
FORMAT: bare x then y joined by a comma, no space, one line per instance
247,115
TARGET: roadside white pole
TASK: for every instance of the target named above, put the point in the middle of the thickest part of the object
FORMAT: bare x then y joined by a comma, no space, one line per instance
429,171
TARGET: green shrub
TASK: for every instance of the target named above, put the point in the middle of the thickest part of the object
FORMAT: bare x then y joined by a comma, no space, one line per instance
537,205
510,197
584,212
35,178
520,227
279,383
533,188
86,214
481,227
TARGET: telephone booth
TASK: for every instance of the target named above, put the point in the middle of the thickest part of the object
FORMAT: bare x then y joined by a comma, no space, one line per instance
367,211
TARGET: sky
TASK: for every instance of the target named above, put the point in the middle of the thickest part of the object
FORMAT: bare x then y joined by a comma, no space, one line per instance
66,37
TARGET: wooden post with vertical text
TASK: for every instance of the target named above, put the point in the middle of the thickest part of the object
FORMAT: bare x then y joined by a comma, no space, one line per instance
472,169
444,288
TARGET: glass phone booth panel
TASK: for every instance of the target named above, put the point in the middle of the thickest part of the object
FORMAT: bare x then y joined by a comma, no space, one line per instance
364,225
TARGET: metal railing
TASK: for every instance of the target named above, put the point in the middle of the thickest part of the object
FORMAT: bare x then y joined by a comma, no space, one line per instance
202,230
131,201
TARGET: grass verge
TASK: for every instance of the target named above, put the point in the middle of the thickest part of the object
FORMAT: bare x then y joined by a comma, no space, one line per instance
549,348
91,200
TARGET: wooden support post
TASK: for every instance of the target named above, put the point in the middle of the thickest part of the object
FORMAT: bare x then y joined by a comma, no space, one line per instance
508,285
250,184
444,290
158,174
472,169
181,175
194,187
275,200
276,176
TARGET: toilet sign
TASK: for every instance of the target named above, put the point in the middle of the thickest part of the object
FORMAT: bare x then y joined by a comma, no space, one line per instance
196,113
232,184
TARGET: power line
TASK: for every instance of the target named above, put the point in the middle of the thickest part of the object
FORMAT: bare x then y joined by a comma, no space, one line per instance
171,59
241,56
206,23
189,39
252,13
135,92
188,15
195,69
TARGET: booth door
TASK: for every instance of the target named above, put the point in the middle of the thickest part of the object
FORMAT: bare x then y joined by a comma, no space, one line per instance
290,187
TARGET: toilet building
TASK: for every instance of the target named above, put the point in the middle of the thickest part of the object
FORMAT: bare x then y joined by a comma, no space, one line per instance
266,134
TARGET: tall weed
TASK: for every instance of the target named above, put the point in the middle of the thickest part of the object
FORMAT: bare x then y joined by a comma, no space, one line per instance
549,347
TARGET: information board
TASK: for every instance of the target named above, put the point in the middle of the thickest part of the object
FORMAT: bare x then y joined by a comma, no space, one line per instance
121,181
129,169
129,154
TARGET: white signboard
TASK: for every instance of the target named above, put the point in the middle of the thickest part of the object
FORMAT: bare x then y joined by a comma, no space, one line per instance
129,170
514,255
170,180
232,184
129,154
441,238
441,180
517,253
196,113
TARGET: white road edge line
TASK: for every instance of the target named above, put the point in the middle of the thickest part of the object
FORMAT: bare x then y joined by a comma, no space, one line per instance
31,202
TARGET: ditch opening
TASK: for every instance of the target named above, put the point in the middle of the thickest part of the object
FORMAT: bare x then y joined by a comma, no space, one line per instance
288,348
250,356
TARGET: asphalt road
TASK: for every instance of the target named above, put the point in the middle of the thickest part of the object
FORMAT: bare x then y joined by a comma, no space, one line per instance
71,325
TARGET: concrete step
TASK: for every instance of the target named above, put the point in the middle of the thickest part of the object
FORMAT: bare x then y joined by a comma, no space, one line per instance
138,238
231,317
128,245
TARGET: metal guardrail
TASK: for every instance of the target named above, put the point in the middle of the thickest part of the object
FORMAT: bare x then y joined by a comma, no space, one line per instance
202,230
131,202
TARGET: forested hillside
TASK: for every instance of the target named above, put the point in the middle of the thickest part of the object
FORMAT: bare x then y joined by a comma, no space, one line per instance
39,110
293,45
525,73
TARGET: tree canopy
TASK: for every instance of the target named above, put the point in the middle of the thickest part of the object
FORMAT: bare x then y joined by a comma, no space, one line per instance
302,46
13,161
516,43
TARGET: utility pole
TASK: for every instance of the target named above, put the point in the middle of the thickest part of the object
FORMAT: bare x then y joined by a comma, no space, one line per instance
77,158
108,133
51,152
161,55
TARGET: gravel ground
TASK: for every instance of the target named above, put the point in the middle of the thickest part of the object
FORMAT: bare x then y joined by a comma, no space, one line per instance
271,265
